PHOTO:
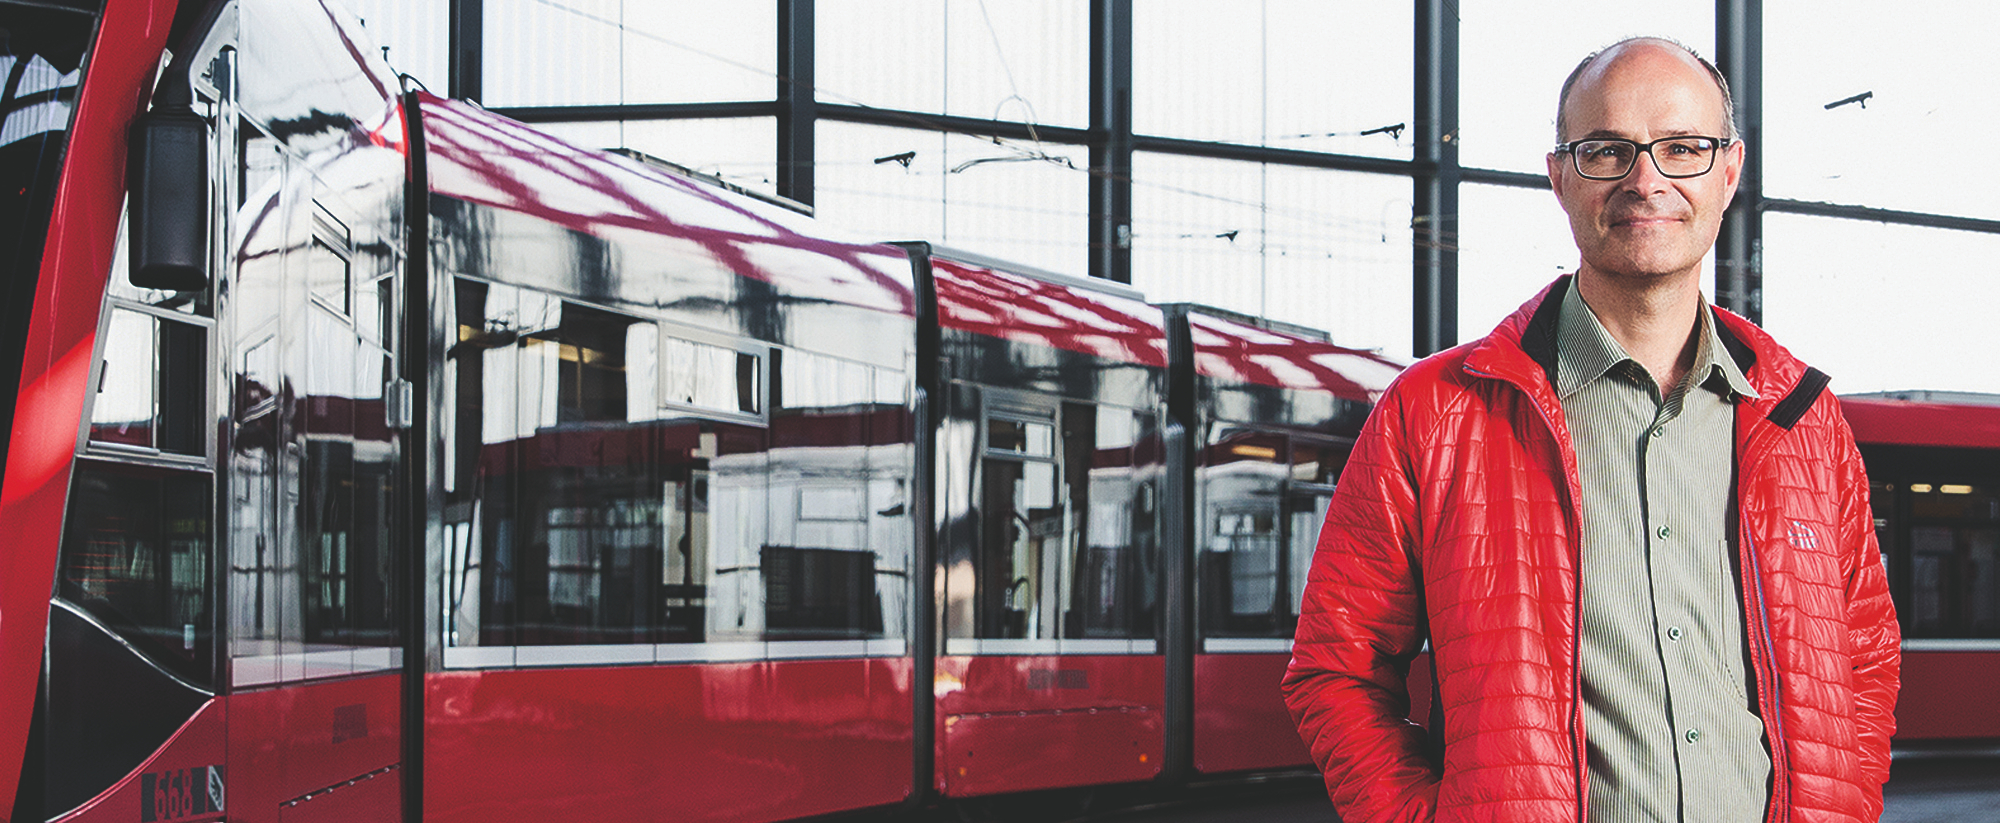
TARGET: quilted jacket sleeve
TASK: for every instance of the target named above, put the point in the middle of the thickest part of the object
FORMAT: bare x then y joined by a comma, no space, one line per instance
1871,622
1361,622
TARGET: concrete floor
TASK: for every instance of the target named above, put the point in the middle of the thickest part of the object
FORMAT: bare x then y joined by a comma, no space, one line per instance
1953,789
1943,790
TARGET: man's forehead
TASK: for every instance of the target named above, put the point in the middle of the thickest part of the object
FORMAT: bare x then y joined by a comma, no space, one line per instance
1645,71
1641,48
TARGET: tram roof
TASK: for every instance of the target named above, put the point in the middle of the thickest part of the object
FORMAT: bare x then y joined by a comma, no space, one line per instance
1012,303
1920,418
1228,350
481,157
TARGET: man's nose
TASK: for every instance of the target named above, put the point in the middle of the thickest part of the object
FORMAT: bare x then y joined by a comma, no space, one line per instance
1645,175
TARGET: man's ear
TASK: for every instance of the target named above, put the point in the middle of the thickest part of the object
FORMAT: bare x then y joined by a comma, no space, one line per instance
1732,170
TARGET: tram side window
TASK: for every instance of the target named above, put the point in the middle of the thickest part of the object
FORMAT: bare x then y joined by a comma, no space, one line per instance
1115,590
348,584
709,377
313,550
329,276
151,387
1315,467
1241,566
714,477
1954,554
563,497
684,589
587,504
260,166
1265,495
836,559
137,555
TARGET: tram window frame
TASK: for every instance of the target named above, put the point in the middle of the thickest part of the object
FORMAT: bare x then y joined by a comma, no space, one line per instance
583,573
180,352
260,162
831,487
176,348
708,601
1947,602
195,658
1217,587
333,238
1292,480
1030,446
1316,484
712,474
1117,564
750,374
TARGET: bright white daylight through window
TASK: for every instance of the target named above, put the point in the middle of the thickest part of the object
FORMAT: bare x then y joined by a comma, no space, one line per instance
1276,168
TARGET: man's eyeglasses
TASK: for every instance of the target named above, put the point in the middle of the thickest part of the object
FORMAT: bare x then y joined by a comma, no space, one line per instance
1611,158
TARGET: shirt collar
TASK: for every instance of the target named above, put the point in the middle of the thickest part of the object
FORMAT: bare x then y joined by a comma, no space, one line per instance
1585,351
1714,368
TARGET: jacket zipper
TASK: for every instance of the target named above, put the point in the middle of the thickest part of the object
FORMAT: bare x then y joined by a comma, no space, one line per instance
1765,652
1576,736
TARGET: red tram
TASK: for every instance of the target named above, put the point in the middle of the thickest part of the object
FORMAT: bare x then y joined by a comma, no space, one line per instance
1934,476
378,458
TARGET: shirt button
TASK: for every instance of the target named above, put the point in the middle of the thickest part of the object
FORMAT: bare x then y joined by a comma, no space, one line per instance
1674,633
1659,431
1694,736
1666,532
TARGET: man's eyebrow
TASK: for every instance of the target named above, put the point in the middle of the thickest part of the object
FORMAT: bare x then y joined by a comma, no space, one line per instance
1603,133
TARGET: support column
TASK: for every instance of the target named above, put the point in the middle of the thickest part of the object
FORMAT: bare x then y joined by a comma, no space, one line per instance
798,109
1739,264
466,72
1111,143
1434,213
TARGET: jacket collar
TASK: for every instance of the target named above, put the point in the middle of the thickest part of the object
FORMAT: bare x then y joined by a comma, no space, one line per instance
1586,351
1522,349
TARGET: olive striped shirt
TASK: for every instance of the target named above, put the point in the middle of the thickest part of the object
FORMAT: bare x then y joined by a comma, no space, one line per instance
1672,735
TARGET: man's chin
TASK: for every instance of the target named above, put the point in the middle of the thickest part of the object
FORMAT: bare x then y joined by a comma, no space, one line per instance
1644,270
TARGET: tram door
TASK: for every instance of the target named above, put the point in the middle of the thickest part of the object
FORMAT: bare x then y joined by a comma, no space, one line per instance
1022,528
311,461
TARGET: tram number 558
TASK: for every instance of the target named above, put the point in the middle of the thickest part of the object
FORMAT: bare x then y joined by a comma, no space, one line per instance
180,793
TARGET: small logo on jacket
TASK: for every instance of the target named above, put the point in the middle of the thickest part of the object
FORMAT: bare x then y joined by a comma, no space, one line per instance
1802,535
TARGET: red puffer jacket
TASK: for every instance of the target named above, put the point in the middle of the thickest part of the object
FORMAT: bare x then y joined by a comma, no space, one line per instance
1457,520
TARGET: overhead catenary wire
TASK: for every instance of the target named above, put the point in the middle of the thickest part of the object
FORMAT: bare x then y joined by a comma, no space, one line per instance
819,92
1423,237
826,93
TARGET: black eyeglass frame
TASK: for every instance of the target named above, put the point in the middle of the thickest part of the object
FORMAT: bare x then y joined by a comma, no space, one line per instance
1638,148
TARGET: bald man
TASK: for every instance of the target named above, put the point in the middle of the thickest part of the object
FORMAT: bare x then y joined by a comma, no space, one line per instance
1632,529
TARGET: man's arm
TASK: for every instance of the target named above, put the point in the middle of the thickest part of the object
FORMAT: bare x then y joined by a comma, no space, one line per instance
1361,622
1871,619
